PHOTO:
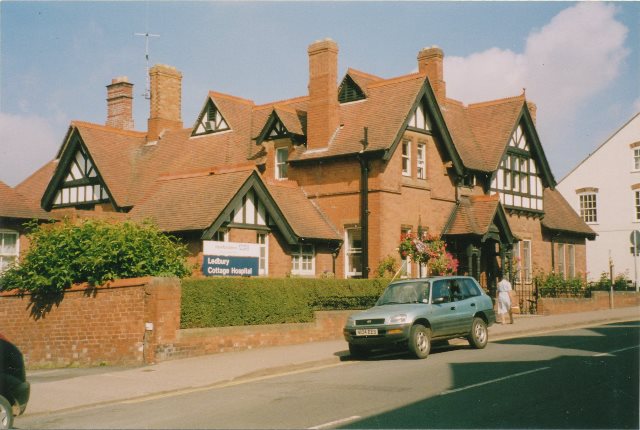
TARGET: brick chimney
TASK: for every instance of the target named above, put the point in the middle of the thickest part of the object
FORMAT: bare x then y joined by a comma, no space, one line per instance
120,103
430,61
323,114
166,100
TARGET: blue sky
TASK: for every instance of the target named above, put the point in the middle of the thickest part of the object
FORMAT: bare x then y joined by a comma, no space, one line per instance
579,62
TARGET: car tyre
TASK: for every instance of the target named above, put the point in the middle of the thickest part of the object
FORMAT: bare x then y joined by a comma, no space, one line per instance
420,341
358,351
479,334
6,414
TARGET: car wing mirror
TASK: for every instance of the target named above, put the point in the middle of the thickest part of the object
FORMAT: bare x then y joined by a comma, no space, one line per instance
438,300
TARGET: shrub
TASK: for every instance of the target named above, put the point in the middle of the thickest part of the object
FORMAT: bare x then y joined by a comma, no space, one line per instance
220,302
93,251
554,285
387,267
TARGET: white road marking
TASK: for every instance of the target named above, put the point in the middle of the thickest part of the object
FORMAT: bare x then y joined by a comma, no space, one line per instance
335,423
608,354
515,375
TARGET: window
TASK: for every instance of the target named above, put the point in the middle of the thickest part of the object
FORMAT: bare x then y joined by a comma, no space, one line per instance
561,262
210,121
636,159
263,263
526,261
304,260
406,158
353,252
282,154
589,207
571,263
8,248
517,263
421,171
636,195
221,235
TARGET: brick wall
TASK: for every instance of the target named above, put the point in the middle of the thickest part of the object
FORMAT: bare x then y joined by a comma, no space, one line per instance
599,301
89,327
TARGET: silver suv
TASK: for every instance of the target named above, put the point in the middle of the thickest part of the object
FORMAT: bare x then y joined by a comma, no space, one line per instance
415,312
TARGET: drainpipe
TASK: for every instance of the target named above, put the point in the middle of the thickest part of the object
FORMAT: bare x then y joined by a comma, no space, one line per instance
364,204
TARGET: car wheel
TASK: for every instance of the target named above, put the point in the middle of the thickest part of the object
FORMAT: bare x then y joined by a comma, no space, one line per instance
6,414
358,351
479,334
420,341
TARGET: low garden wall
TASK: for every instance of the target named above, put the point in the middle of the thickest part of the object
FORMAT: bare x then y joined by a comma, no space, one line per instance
135,322
599,300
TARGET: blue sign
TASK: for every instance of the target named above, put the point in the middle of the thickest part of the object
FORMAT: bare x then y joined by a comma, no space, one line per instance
221,265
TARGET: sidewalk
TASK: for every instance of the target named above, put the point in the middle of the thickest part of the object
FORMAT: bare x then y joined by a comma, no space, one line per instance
60,389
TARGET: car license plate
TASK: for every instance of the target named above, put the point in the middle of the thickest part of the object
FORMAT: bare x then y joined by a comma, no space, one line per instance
366,332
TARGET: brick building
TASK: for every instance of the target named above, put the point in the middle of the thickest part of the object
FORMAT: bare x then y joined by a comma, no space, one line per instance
326,183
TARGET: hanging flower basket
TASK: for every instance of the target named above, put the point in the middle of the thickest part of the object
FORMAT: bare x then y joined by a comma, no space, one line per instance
430,250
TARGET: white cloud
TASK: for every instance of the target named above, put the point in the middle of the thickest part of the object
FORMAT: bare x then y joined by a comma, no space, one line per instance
17,133
564,64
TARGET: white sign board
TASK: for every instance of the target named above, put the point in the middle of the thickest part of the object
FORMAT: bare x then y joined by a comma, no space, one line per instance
230,249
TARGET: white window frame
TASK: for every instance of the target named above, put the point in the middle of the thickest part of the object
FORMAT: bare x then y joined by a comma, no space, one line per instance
405,261
221,235
281,164
562,269
421,161
406,158
516,255
636,158
303,260
352,252
262,239
571,265
589,207
6,257
636,205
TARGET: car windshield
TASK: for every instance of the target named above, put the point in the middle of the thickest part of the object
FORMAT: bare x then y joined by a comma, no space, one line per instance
404,292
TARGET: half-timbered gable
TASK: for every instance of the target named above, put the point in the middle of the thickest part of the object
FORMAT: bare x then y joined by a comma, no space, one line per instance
210,120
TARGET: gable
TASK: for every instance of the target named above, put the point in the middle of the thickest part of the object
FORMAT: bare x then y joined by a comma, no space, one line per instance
425,116
523,172
76,180
210,120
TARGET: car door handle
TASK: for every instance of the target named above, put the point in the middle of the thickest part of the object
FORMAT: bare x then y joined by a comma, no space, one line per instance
473,305
453,308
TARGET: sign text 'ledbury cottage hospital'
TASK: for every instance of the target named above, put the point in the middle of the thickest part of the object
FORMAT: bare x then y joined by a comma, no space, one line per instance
230,258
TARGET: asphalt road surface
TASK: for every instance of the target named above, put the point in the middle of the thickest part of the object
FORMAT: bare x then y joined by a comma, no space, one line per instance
584,378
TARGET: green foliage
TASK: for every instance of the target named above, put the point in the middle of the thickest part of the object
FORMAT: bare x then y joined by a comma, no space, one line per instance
220,302
554,285
387,267
620,283
93,251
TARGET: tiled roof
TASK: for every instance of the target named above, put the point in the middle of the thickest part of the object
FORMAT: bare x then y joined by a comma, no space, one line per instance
473,215
383,112
306,219
35,185
189,202
15,205
481,131
559,215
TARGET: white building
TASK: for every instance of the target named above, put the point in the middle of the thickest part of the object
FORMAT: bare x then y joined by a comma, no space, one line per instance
605,190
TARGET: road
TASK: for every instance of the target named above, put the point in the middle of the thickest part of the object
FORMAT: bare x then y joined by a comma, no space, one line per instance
584,378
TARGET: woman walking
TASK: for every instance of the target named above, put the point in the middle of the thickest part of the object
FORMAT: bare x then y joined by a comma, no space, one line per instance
504,299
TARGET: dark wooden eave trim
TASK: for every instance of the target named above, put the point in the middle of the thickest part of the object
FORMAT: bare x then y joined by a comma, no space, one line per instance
73,142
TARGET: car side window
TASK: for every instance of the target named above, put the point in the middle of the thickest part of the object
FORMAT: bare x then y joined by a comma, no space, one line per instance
441,292
470,288
456,290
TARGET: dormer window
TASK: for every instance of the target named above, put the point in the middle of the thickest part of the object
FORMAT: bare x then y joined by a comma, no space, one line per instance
210,121
349,91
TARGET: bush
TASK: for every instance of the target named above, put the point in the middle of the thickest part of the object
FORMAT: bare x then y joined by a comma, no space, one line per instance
93,251
387,267
220,302
554,285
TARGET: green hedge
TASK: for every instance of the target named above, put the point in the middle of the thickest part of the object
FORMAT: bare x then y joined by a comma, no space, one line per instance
221,302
